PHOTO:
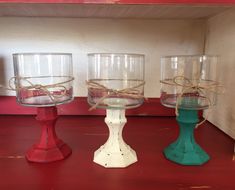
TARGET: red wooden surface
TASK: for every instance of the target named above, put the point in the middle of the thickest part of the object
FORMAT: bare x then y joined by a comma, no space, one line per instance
79,106
147,135
124,1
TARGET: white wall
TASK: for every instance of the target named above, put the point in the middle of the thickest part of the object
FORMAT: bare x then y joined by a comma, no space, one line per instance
221,41
154,38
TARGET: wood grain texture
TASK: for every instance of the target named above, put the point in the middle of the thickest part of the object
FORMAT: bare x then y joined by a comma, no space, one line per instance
124,1
147,135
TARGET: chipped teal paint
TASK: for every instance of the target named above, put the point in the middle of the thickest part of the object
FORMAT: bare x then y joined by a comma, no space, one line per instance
185,150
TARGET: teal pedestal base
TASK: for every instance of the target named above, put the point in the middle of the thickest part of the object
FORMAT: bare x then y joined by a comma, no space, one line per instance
185,150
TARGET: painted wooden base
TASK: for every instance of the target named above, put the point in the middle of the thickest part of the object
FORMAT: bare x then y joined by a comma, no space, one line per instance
147,134
115,153
185,150
49,148
60,152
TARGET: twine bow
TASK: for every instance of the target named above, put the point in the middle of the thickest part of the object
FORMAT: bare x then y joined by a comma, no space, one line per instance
43,88
197,86
131,92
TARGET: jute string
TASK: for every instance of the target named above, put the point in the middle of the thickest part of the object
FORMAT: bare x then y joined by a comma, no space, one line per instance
44,88
200,87
130,92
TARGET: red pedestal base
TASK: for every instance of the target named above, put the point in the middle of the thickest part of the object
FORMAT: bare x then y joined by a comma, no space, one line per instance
49,148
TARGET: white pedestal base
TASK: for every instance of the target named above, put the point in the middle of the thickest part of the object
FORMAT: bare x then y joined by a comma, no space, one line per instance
115,153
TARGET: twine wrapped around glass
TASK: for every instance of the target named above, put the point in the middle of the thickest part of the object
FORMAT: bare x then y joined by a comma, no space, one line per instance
115,83
188,83
193,78
44,80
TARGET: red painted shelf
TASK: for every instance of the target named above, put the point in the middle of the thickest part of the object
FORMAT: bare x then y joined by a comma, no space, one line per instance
84,134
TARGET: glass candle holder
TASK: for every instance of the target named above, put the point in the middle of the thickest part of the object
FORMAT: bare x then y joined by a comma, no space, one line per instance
44,80
115,83
188,84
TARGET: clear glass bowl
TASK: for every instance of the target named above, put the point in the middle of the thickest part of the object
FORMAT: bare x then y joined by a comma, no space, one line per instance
43,79
188,78
119,80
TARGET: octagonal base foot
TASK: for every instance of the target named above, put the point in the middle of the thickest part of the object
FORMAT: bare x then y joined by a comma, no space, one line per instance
177,154
60,152
109,159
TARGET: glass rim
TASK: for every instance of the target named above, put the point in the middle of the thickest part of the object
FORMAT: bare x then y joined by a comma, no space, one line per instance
41,53
118,54
196,55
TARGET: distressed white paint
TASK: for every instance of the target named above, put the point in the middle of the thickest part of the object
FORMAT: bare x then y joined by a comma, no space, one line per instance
220,40
115,153
154,38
